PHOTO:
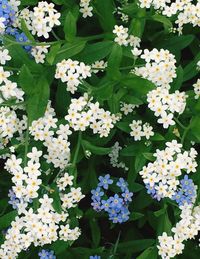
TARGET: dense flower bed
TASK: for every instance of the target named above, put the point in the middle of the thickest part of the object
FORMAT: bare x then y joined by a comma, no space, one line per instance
99,129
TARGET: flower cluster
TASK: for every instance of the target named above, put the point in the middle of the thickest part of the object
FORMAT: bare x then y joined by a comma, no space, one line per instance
127,108
162,176
46,254
71,72
197,89
98,66
138,130
7,15
26,181
86,9
54,138
45,17
160,67
4,56
123,38
39,52
187,228
117,205
186,193
164,104
186,11
83,113
39,227
114,157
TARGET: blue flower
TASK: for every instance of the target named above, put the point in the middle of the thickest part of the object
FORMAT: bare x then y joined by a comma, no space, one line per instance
122,184
46,254
97,193
186,192
105,181
127,195
105,205
95,257
116,201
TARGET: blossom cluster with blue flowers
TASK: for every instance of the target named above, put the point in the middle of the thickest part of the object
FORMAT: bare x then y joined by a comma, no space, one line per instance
117,205
46,254
186,193
7,12
9,16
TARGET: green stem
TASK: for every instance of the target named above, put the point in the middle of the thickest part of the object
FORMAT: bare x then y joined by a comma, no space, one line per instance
30,43
180,124
55,36
94,37
184,134
74,161
26,143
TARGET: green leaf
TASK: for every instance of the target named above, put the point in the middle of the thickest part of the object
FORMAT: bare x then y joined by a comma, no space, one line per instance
68,50
195,126
149,156
190,70
59,246
28,2
70,26
157,137
149,253
137,26
164,20
164,224
26,80
130,150
176,85
63,99
26,30
136,245
50,57
105,12
56,198
96,51
94,149
6,219
139,162
135,216
104,91
175,43
114,62
140,85
124,126
37,93
131,99
96,232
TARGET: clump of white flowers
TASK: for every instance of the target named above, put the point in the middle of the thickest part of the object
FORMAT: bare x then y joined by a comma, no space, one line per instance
114,157
161,177
71,72
127,108
164,104
160,67
186,12
86,9
55,138
4,56
26,181
39,52
187,228
197,89
123,38
44,18
139,130
99,66
39,228
83,113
